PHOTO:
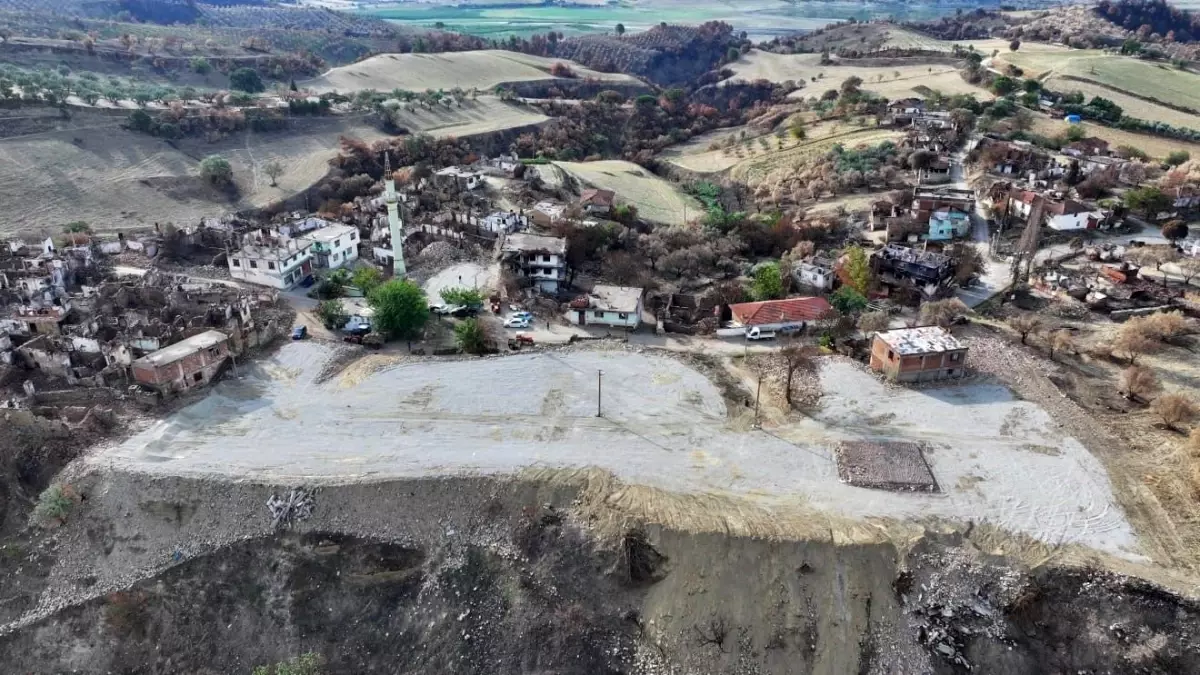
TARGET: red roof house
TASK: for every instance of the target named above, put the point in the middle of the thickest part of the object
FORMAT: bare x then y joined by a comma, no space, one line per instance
771,314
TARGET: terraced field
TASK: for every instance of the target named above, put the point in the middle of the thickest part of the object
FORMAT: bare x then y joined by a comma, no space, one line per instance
482,69
890,81
1134,107
754,169
657,200
478,116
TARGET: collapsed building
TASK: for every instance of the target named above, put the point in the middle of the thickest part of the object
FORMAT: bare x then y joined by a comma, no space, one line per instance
59,334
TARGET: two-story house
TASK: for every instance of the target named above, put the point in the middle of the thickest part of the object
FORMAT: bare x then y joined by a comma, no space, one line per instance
333,246
541,259
268,259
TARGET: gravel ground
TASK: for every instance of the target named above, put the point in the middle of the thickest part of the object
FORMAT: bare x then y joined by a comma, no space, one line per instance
997,460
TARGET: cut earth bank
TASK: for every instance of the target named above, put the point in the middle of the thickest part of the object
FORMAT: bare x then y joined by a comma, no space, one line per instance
998,461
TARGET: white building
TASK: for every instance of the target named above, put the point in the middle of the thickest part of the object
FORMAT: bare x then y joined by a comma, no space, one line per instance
504,221
333,246
271,260
619,306
543,260
458,177
816,273
1088,220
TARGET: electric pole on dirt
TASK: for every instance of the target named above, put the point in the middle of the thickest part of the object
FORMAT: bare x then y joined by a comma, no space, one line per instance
599,375
757,395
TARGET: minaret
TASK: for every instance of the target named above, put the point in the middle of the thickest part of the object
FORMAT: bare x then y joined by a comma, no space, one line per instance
395,226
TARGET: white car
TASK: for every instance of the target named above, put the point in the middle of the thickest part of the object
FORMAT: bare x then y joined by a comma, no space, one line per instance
517,322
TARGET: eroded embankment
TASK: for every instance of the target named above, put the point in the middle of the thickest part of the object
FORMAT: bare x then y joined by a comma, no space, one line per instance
552,572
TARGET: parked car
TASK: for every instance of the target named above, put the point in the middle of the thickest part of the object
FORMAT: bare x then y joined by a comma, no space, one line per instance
516,322
756,333
299,332
521,315
440,309
462,311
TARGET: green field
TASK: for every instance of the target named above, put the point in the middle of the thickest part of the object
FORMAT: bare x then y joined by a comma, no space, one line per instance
759,18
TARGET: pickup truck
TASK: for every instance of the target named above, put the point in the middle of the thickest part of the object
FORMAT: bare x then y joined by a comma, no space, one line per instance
756,334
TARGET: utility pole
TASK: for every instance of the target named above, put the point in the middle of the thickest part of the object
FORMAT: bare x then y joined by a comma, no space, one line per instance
599,375
757,395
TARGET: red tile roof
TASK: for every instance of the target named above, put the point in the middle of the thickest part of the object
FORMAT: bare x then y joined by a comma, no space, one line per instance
779,311
597,197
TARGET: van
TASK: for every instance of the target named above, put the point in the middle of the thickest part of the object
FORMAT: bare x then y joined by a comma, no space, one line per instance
757,334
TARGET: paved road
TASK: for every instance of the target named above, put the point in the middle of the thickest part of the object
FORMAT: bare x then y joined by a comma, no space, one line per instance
998,274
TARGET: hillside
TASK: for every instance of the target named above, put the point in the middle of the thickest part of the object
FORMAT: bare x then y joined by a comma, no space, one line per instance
484,70
657,200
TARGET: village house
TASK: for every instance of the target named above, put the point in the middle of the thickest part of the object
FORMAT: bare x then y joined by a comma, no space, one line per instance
505,222
816,273
1063,213
918,354
937,172
546,214
457,179
332,246
927,200
616,306
1084,220
1184,197
772,315
597,202
542,260
905,268
268,259
1086,147
900,112
189,363
37,320
948,223
302,225
933,119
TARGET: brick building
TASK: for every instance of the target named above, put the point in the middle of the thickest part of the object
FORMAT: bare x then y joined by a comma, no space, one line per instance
189,363
918,354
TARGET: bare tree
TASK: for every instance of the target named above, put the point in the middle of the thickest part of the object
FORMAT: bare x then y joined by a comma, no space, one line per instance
798,358
942,312
873,322
1174,410
1165,326
273,170
1061,341
1138,382
1134,340
1024,324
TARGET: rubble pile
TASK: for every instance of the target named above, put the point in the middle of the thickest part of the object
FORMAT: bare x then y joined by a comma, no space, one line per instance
297,505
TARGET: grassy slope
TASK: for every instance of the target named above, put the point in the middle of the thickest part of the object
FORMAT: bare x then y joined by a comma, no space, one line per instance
1154,146
657,200
890,81
754,169
417,72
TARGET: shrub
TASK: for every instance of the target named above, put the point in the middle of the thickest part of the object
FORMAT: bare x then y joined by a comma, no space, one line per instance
1174,410
55,503
847,300
472,337
1177,157
468,297
1138,382
768,283
216,170
309,663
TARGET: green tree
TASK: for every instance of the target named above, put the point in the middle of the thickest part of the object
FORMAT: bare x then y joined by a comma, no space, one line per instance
467,297
1003,85
620,29
847,300
1076,132
246,79
216,170
1149,200
200,65
797,129
768,282
310,663
1178,157
332,314
471,337
366,279
400,308
77,226
1032,86
140,120
858,269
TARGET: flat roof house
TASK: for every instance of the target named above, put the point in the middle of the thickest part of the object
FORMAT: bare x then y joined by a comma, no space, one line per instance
918,354
606,305
187,364
333,246
542,260
272,261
